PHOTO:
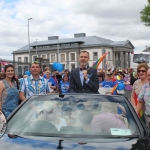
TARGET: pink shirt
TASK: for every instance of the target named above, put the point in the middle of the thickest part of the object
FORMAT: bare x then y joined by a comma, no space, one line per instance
105,121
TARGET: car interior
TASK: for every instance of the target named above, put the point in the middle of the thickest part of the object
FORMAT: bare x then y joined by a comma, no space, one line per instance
73,116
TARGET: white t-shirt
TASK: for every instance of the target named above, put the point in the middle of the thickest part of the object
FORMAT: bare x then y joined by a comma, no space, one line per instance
62,122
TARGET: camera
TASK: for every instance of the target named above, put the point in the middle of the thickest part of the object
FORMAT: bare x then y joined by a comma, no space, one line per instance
58,77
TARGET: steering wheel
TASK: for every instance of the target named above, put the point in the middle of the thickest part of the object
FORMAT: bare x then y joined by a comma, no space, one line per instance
41,126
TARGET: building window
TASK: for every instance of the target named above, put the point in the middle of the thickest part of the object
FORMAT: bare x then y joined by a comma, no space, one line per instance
72,66
54,46
72,56
52,57
63,66
34,57
19,71
62,57
43,56
108,55
95,55
26,59
25,69
45,47
19,59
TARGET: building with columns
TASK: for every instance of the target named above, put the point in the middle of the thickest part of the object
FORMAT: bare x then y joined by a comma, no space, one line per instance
66,51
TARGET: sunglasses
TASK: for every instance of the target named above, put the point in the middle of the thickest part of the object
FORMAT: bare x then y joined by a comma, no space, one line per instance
35,62
141,71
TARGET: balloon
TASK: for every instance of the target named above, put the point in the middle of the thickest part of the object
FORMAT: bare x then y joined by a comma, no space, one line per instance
118,78
27,73
54,65
120,86
58,67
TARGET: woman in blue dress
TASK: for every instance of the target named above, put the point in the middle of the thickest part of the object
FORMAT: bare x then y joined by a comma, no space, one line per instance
65,84
9,93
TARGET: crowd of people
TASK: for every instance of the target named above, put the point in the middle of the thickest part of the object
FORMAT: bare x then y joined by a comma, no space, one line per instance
83,79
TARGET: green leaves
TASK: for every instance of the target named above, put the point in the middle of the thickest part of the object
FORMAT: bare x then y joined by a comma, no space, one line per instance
145,15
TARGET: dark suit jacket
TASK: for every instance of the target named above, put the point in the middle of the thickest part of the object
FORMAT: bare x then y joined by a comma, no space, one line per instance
76,85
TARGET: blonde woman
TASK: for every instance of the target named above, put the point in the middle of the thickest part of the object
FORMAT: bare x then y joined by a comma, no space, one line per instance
142,74
50,81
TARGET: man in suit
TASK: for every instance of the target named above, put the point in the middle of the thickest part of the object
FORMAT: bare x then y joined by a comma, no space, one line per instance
84,79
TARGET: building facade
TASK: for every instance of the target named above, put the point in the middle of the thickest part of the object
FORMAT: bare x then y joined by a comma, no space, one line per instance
66,51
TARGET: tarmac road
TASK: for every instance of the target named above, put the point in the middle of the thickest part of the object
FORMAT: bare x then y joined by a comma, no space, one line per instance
128,94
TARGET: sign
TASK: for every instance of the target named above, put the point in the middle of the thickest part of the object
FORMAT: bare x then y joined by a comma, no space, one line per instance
45,61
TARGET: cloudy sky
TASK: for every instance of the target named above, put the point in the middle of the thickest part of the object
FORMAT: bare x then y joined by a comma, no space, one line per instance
113,19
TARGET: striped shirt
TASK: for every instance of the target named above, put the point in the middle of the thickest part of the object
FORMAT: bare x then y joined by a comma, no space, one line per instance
144,96
30,86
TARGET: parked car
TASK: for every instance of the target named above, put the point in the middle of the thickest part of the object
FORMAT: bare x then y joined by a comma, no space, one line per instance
75,121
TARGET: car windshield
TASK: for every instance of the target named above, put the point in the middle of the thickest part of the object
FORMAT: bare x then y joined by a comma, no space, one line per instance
74,116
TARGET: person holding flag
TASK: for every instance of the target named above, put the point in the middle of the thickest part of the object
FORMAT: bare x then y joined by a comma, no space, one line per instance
137,86
121,85
144,101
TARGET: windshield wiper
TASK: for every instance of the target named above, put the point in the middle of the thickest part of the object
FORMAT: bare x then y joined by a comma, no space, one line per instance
120,136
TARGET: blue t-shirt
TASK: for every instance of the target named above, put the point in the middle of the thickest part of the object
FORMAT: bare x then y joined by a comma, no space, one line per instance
52,81
44,75
107,84
65,87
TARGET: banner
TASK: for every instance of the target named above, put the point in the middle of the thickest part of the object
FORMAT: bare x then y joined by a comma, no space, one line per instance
3,64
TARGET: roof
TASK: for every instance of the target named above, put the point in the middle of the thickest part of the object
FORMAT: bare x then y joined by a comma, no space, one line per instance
83,41
89,40
122,43
147,49
118,43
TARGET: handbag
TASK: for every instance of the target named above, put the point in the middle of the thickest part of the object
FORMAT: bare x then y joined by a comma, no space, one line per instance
120,92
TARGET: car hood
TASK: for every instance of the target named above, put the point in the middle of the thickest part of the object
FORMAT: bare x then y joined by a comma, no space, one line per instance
32,144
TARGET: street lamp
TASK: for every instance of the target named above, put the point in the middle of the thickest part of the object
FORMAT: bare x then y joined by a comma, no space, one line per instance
58,52
36,48
29,38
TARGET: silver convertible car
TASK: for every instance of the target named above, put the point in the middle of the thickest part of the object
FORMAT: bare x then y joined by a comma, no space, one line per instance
75,122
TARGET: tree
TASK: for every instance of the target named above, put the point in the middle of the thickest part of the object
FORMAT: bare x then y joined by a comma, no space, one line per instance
145,15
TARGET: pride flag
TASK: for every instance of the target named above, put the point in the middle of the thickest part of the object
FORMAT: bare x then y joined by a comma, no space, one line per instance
114,88
96,64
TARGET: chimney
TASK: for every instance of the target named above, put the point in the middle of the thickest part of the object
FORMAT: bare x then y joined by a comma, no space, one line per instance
53,37
79,35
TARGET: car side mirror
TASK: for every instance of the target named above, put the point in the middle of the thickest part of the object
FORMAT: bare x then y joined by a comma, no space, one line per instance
3,124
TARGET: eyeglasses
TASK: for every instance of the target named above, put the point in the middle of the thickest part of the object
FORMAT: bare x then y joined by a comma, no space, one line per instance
141,71
35,62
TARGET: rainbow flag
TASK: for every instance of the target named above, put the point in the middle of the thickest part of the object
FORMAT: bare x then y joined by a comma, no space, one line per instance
96,64
114,88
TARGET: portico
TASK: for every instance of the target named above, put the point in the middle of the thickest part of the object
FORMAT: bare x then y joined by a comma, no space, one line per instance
122,54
